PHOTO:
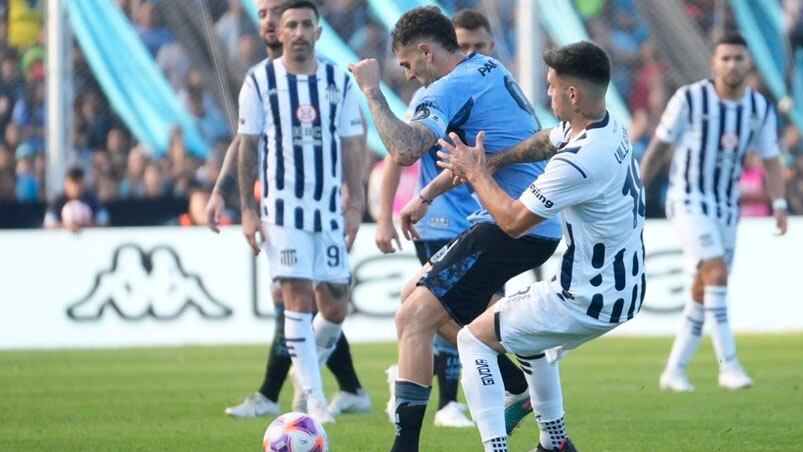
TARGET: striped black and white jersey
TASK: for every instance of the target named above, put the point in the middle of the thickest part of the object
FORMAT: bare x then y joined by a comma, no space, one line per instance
711,137
593,183
300,120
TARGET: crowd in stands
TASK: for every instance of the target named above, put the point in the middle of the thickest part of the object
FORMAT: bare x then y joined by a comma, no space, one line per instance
118,167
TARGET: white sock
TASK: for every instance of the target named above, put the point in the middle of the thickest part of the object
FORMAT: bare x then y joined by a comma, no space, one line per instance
715,301
326,337
546,395
301,345
688,337
482,384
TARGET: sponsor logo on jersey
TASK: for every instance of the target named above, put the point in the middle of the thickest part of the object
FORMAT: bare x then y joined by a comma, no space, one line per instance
142,284
306,113
729,141
539,195
484,371
422,112
486,68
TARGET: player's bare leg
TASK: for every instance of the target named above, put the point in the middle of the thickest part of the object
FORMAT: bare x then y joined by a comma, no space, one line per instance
714,275
299,299
419,317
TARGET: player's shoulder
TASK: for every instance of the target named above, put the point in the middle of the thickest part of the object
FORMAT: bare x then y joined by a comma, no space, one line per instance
595,147
258,67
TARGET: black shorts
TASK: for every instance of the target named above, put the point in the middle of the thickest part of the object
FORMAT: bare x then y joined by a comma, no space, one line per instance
424,249
476,264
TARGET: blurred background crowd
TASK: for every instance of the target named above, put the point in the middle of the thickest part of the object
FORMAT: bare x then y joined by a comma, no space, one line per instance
124,174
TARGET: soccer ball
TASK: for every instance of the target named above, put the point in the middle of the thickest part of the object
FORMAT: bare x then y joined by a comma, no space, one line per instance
76,214
295,432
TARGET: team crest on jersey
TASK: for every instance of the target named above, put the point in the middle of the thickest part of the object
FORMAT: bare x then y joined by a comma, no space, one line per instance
729,140
306,113
332,94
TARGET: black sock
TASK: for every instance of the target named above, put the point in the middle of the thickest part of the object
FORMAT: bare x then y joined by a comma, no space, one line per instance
411,404
278,360
447,369
342,366
512,376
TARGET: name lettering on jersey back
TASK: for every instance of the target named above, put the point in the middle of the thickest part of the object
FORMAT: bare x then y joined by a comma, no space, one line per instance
539,195
624,147
486,68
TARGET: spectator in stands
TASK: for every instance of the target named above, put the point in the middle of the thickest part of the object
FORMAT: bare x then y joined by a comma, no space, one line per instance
153,34
28,186
117,145
345,16
153,183
12,136
75,190
25,19
233,24
104,178
210,122
250,51
12,86
7,179
370,41
196,209
133,184
208,173
93,120
179,164
174,62
29,110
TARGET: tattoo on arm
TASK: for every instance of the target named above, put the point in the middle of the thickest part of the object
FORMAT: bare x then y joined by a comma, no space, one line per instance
405,142
534,149
247,170
655,160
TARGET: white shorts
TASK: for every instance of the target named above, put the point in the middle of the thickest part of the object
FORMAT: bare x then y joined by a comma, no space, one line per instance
535,320
703,237
317,256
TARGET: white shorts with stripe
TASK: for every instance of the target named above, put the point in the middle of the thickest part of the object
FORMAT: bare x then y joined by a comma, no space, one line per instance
703,237
317,256
537,320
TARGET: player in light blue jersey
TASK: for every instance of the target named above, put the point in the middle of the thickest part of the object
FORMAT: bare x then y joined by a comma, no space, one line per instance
465,94
445,219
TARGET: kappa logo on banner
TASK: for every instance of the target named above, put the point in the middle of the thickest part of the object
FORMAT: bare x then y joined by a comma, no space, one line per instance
143,284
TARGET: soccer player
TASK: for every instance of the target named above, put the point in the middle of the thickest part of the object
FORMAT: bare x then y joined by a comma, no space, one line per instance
464,94
351,398
445,220
706,130
304,113
593,183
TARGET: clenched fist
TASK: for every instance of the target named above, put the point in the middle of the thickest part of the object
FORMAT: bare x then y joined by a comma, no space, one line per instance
367,74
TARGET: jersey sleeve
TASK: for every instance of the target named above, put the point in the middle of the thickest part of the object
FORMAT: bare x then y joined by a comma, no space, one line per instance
251,112
563,184
766,144
351,123
438,106
675,118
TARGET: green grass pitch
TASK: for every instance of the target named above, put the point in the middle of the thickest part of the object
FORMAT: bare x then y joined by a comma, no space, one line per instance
165,399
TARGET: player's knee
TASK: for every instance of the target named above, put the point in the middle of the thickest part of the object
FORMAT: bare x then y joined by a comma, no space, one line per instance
334,312
714,272
408,288
301,297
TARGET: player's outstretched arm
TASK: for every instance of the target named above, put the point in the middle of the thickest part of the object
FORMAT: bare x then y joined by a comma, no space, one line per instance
353,164
225,184
469,163
656,159
247,170
405,142
777,190
534,149
385,230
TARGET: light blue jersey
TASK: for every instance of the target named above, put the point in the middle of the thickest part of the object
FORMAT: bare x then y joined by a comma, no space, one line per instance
448,215
481,94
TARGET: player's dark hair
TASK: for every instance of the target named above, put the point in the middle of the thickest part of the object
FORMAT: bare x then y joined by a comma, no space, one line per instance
299,4
584,60
75,174
424,22
470,20
732,37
